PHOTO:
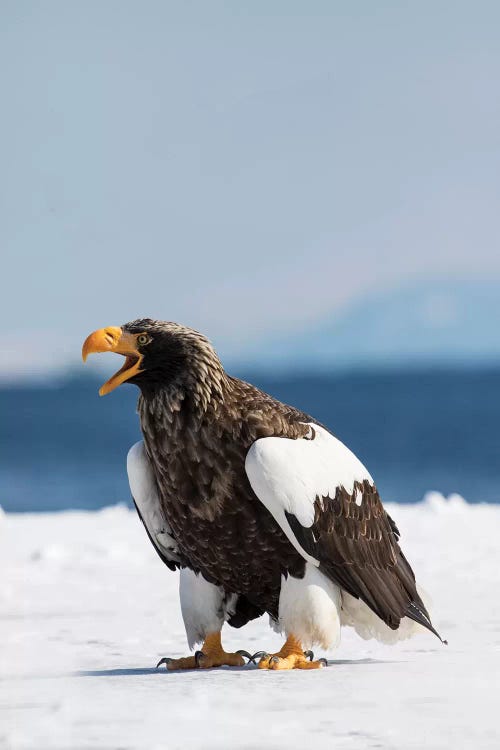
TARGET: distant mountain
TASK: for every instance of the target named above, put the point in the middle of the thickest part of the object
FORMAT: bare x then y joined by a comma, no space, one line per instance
437,322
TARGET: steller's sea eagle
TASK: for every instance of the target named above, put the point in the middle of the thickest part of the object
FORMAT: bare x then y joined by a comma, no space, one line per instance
259,505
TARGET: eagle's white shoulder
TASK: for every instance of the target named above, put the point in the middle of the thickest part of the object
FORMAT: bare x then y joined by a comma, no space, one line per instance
288,475
143,488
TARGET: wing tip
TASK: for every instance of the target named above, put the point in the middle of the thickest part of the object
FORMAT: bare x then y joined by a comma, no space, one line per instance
418,613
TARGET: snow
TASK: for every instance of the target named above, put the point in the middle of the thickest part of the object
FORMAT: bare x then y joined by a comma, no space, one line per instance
87,609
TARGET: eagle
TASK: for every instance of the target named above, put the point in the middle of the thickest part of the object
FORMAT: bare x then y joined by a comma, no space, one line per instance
258,504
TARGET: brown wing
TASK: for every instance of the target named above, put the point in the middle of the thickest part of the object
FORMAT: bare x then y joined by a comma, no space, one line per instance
353,537
356,544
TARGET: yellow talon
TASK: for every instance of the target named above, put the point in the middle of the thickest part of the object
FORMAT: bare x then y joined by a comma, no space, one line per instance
211,655
290,656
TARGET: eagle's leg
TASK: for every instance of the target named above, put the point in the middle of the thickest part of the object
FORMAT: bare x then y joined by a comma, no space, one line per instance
290,656
211,655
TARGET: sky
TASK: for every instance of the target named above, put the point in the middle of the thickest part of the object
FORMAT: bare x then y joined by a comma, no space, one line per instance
244,168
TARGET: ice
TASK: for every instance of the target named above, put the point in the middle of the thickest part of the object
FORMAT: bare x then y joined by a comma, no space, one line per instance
87,609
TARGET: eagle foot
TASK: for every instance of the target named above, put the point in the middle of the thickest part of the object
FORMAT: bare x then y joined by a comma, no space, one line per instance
260,654
186,662
218,658
292,661
211,655
291,656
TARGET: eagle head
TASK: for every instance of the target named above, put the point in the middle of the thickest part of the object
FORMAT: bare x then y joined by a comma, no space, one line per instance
157,354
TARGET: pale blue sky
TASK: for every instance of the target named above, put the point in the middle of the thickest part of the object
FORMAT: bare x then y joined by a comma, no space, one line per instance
241,167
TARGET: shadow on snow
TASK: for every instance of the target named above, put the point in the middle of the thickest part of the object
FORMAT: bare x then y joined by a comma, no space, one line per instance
140,671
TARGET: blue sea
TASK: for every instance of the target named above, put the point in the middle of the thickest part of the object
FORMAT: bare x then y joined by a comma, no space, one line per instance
64,447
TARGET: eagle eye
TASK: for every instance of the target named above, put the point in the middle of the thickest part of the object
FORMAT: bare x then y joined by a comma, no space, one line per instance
143,339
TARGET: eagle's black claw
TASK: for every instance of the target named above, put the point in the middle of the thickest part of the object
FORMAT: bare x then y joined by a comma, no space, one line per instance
197,656
258,655
248,656
165,661
309,655
323,661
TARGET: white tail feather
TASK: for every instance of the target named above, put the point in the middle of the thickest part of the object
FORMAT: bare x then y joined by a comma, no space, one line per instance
356,614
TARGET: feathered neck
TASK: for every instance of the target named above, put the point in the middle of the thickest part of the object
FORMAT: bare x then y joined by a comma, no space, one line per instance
200,387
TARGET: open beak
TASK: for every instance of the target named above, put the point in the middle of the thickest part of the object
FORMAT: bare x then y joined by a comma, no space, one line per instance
114,339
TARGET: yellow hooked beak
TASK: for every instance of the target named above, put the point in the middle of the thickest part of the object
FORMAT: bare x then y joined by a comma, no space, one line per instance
114,339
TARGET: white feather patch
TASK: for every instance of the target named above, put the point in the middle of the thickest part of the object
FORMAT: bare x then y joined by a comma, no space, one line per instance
309,609
143,488
358,615
288,475
202,606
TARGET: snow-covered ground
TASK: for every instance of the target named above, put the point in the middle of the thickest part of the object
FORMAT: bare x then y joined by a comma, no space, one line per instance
87,609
